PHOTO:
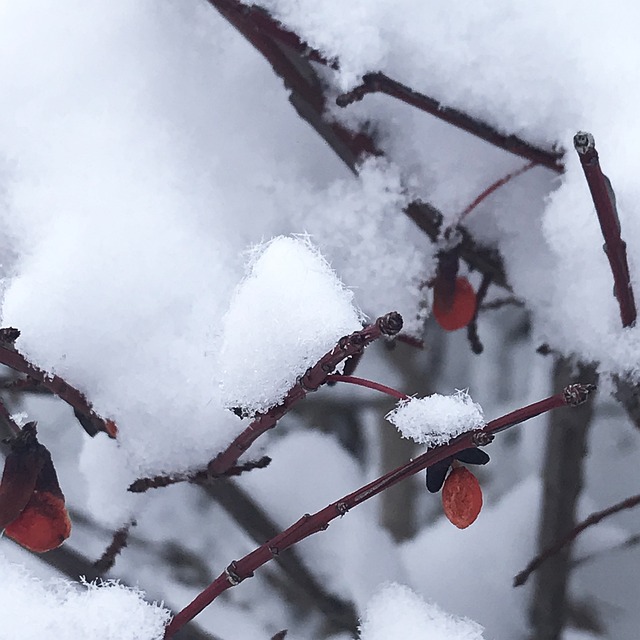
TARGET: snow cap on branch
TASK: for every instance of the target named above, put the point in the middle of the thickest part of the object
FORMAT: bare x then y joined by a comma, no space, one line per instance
290,309
397,612
436,419
62,610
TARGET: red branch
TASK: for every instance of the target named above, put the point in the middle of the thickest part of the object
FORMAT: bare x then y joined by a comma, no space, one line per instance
594,518
370,384
244,568
13,359
604,200
389,325
380,83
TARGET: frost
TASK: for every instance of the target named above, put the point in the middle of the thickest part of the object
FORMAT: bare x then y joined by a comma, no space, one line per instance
288,312
67,611
397,612
436,419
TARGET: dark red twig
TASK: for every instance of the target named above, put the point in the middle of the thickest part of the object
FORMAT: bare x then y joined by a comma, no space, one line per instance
494,187
370,384
593,519
13,359
388,325
118,543
615,247
381,83
244,568
198,477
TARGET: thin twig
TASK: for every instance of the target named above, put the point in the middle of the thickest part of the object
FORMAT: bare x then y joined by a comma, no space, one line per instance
118,543
472,327
381,83
244,568
615,247
13,359
593,519
494,187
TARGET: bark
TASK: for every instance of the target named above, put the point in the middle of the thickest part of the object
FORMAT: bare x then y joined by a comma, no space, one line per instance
563,479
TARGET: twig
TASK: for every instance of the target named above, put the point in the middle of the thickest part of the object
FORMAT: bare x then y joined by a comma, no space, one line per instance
201,477
593,519
472,327
13,359
370,384
494,187
244,568
388,325
118,543
381,83
604,200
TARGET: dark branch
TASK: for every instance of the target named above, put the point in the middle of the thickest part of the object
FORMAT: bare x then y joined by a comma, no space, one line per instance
380,83
615,247
593,519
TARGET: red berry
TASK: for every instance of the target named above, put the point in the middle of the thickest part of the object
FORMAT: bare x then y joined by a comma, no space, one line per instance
461,310
461,497
43,524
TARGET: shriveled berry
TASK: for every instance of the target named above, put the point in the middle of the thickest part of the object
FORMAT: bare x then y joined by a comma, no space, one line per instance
461,497
460,310
43,524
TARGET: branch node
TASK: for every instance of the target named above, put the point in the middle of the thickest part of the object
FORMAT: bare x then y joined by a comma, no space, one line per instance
342,508
233,576
577,394
390,324
482,438
583,141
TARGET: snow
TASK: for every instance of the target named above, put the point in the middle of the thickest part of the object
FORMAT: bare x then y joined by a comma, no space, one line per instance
146,147
436,419
398,612
61,610
284,316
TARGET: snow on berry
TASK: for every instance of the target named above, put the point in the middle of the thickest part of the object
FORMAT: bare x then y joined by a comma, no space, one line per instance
436,419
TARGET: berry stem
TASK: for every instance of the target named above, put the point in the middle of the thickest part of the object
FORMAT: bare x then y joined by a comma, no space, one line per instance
370,384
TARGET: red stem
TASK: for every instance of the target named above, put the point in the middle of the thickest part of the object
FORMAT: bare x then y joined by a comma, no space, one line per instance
315,377
244,568
494,187
370,384
605,203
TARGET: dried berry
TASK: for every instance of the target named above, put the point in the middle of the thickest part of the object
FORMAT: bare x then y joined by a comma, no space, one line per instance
32,509
43,524
461,497
455,312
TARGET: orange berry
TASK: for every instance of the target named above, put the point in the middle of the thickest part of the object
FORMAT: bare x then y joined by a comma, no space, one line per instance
461,497
43,524
461,310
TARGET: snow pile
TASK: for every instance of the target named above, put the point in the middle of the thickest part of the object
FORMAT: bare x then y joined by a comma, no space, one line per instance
436,419
287,313
62,610
397,612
